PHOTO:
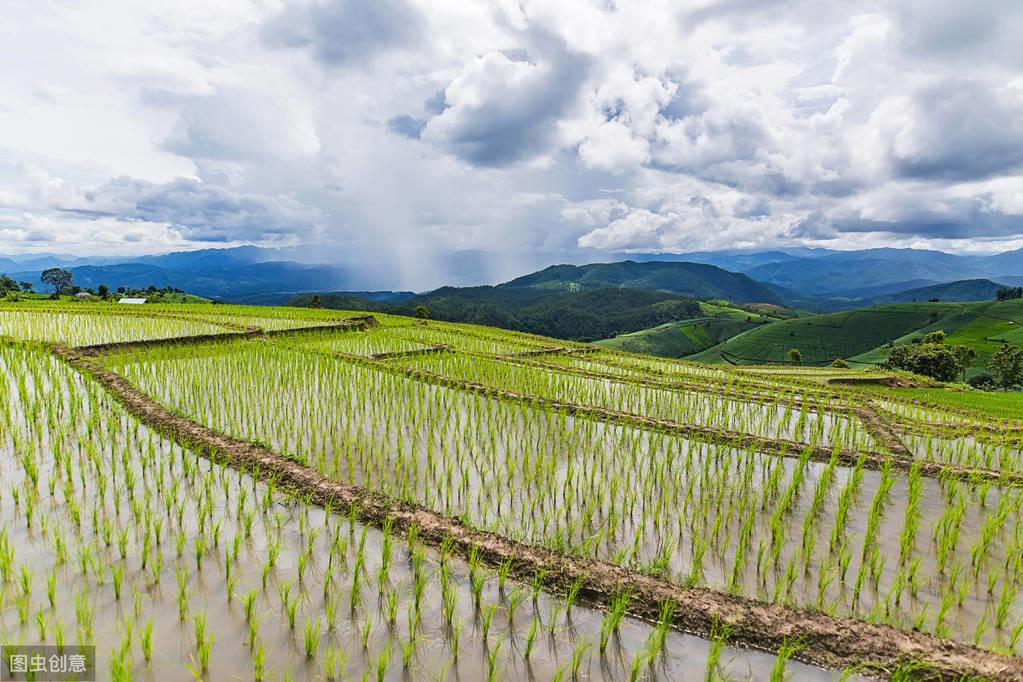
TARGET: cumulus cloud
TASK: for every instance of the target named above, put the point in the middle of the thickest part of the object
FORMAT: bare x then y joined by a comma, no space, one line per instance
340,32
505,107
201,211
196,211
639,228
239,123
404,128
954,130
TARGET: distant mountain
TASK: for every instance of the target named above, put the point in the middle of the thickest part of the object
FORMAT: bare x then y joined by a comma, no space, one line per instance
736,261
849,273
212,258
689,279
963,290
811,279
582,303
227,282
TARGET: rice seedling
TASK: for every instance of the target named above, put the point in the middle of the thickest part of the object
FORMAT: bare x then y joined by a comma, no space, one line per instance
311,638
796,527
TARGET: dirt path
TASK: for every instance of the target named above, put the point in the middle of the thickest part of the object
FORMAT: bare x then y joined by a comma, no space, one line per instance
363,322
829,642
881,431
429,350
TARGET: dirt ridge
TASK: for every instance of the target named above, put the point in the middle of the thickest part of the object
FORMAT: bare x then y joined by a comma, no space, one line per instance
429,350
881,431
827,641
95,350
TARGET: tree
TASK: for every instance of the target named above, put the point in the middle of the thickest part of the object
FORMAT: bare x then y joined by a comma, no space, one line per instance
316,302
839,363
103,291
7,284
58,278
926,359
965,356
422,312
1007,366
930,357
795,357
1009,294
26,286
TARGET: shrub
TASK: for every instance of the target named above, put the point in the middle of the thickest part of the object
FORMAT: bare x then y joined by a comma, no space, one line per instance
926,359
983,381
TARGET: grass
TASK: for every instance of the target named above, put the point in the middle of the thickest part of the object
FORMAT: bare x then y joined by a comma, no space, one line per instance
860,336
686,337
1000,404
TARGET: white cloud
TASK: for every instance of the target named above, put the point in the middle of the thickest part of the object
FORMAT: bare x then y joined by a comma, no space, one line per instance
637,229
403,129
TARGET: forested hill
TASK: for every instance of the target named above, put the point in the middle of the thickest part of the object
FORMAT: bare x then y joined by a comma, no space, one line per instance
581,316
689,279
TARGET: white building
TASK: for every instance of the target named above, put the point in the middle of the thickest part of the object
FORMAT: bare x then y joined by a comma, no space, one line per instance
132,301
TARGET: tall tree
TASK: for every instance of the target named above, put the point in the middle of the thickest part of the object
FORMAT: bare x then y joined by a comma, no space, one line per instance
58,278
1007,366
965,356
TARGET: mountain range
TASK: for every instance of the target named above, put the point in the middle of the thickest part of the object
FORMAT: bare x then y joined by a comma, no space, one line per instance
814,279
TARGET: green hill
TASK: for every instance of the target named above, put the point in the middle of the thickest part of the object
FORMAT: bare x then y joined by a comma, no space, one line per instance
963,290
860,336
688,279
684,337
585,315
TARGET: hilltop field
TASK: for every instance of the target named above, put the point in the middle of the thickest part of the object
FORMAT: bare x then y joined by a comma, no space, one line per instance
236,492
861,337
718,322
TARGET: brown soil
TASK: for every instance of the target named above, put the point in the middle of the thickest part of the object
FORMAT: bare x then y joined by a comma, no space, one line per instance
889,381
829,642
533,352
881,431
431,350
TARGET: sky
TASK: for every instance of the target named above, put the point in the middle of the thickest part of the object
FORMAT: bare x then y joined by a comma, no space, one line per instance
405,131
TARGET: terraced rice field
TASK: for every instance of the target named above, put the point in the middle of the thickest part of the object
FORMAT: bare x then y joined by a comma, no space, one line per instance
394,499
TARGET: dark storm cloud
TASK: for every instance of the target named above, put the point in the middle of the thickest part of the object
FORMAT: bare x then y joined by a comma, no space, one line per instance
985,32
199,211
411,126
406,126
512,118
961,130
345,31
962,218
